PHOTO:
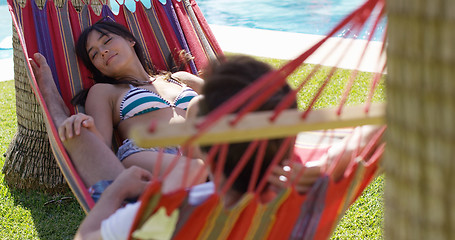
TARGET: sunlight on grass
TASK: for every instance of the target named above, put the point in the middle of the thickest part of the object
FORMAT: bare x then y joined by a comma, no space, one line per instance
23,214
334,90
364,219
15,221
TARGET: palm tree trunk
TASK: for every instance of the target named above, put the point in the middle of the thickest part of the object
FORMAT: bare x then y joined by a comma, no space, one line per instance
29,162
419,160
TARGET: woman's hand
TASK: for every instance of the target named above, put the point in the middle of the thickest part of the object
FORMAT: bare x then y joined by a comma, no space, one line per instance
72,126
131,183
307,175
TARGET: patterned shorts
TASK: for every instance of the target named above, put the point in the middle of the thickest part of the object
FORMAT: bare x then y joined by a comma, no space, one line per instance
128,147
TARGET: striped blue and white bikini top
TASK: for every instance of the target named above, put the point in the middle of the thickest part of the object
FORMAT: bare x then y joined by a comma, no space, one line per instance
138,101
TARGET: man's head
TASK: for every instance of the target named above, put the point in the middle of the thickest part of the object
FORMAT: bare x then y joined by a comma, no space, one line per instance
223,81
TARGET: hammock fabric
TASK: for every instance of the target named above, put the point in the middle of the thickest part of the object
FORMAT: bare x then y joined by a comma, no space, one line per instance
163,30
289,215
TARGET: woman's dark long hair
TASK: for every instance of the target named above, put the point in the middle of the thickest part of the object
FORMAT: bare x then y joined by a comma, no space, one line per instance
105,26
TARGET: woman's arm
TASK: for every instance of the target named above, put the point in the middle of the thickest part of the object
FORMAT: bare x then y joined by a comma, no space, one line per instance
340,154
189,79
193,108
191,116
100,106
72,126
131,183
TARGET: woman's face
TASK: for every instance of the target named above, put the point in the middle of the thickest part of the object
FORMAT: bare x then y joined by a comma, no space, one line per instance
111,54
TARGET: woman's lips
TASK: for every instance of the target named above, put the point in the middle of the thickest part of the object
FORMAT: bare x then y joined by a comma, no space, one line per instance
110,59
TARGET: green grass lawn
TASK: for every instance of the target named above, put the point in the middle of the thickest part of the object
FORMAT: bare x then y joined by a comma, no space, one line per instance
25,214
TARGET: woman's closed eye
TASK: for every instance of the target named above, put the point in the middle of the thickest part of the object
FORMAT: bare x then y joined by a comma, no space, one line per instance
95,53
107,40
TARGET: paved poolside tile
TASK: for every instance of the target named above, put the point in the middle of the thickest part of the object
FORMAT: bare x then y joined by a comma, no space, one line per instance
287,45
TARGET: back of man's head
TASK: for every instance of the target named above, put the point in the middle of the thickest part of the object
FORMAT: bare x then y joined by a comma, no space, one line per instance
223,81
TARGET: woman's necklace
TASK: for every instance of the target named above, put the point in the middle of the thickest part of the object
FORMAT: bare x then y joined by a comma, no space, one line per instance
152,80
149,82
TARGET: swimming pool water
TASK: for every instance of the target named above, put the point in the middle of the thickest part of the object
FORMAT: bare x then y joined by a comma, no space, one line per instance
6,50
301,16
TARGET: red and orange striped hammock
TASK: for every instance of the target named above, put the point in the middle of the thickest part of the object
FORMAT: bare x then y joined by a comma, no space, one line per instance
164,30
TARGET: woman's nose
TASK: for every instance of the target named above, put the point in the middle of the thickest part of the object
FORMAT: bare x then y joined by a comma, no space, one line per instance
104,51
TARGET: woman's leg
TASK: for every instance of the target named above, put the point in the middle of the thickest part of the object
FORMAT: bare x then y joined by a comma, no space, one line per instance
93,160
184,173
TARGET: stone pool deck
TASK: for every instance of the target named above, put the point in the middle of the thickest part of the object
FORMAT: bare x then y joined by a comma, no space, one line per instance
286,45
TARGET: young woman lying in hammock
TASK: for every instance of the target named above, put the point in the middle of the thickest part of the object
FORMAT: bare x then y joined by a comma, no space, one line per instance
223,82
126,92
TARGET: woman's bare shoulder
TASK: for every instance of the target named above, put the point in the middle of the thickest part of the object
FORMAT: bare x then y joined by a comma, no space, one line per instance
103,87
105,91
